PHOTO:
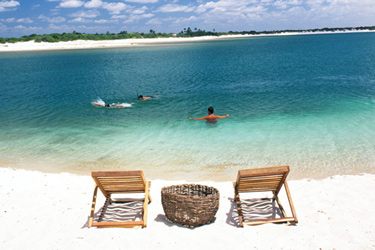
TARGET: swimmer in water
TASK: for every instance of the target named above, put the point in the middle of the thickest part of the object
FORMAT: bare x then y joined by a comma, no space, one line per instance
122,105
210,117
141,97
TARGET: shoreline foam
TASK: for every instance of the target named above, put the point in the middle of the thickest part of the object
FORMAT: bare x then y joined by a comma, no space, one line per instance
89,44
222,173
50,211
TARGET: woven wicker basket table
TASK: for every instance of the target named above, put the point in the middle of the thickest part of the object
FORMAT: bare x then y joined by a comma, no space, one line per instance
190,204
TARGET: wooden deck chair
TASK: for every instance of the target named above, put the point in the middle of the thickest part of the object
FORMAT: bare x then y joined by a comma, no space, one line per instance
118,182
264,180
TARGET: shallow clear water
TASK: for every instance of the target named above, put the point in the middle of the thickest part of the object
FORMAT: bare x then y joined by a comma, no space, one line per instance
305,101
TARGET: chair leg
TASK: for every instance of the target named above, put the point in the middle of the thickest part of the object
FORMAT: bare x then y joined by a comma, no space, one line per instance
93,206
145,204
149,196
290,202
240,214
238,203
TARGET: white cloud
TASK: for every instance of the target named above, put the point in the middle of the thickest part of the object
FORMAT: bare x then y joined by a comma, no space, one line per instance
78,20
346,2
86,14
184,20
280,4
294,2
3,27
119,16
57,20
133,18
147,15
20,27
175,8
140,10
285,4
9,20
253,9
20,20
105,21
71,4
83,20
93,4
8,5
201,8
227,5
154,21
60,28
142,1
143,16
115,8
52,20
24,20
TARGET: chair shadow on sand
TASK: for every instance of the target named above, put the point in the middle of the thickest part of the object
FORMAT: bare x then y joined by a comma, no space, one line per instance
253,209
119,210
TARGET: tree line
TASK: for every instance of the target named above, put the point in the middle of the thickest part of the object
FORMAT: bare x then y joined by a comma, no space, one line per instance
186,32
253,32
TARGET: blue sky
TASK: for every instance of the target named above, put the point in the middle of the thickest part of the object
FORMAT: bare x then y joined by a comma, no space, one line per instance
24,17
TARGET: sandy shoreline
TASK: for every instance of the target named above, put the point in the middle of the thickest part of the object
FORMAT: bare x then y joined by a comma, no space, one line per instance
82,44
50,211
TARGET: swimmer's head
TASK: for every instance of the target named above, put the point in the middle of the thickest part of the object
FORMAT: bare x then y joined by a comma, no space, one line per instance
140,97
210,110
106,105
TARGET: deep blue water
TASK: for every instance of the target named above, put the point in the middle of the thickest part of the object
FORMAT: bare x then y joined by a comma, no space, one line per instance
306,101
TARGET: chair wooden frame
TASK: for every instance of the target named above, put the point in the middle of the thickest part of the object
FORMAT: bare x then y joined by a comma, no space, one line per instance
118,182
264,180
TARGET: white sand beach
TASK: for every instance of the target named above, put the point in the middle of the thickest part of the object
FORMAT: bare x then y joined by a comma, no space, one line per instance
50,211
88,44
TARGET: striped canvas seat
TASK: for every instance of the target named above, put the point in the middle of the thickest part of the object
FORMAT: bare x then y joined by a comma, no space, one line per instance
270,179
119,182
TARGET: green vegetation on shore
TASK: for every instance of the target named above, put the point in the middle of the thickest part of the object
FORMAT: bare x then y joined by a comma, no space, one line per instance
187,32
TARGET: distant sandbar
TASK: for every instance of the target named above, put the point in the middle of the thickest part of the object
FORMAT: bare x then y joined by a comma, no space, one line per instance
89,44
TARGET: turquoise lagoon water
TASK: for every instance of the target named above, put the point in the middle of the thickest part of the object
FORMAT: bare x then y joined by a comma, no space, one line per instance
305,101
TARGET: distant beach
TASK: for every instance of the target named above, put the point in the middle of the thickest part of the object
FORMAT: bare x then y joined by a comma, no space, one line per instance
88,44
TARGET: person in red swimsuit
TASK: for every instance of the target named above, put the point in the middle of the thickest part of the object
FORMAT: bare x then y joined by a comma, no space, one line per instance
210,117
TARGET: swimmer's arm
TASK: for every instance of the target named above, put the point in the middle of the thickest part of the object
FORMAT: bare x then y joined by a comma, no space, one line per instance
202,118
98,104
221,116
123,105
